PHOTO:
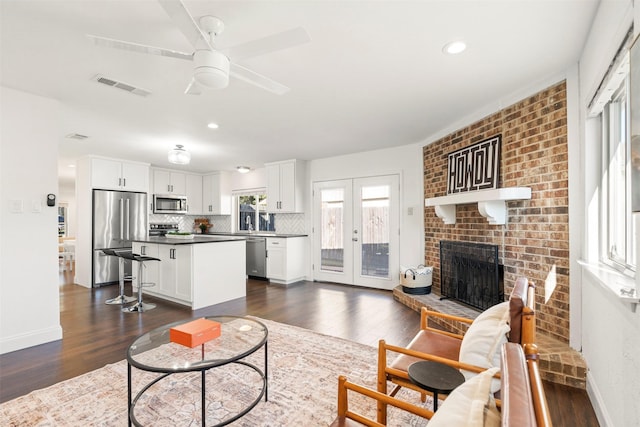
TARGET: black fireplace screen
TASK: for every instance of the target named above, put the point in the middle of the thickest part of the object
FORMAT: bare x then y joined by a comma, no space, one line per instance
471,273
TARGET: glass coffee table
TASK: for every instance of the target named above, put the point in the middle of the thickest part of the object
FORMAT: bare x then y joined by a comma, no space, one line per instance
154,352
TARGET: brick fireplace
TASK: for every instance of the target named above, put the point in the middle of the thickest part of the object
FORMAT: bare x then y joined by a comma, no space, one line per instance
534,242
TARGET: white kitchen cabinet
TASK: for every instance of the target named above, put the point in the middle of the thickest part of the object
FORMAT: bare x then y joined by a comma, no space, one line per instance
216,194
111,174
171,275
175,272
285,186
169,182
194,194
285,259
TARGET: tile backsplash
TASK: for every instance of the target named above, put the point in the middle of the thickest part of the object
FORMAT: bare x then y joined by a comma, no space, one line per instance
290,223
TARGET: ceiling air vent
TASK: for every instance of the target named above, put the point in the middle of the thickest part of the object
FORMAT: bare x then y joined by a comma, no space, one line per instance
121,85
77,136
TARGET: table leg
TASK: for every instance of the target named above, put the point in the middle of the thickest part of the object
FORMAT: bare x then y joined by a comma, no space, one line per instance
203,390
435,401
204,411
266,372
129,394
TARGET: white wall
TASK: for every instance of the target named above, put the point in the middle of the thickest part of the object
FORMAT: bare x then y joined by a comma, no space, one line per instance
29,299
610,328
405,161
255,178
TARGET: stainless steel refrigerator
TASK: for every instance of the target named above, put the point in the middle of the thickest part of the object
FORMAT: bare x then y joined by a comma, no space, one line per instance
119,217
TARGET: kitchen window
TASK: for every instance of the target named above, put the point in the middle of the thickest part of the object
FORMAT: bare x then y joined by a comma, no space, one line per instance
617,231
251,212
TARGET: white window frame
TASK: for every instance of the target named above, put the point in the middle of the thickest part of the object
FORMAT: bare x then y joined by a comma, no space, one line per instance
256,217
616,90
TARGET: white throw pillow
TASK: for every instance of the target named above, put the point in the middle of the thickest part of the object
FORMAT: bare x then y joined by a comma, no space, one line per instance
469,405
482,342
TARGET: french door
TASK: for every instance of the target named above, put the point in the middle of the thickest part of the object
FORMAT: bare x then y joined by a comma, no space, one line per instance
356,231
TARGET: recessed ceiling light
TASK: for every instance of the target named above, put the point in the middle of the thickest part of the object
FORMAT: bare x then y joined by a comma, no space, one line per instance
243,169
455,47
72,165
212,125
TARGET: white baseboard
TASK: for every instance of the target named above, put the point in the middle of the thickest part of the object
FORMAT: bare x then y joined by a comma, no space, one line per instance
41,336
598,404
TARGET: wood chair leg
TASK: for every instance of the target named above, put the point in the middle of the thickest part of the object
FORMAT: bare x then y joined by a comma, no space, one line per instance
382,381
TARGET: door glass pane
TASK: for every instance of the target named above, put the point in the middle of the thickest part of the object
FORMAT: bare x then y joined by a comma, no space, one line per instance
332,249
375,231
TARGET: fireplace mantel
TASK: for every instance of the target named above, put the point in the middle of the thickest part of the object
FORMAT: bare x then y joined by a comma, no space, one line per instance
491,203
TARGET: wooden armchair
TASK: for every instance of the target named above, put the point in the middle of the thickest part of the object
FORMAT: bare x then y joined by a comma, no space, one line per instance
442,346
523,399
349,418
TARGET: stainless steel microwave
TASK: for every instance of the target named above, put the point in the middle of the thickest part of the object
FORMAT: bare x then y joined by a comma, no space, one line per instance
169,204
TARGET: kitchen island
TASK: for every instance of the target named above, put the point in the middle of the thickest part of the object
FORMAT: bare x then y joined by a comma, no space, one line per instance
197,272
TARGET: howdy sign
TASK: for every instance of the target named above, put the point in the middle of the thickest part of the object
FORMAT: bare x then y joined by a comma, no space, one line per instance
476,167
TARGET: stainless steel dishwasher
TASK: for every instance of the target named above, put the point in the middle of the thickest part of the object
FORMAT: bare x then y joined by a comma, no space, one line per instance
257,257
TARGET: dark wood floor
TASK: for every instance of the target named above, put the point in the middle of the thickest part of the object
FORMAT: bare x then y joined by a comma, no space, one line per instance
96,334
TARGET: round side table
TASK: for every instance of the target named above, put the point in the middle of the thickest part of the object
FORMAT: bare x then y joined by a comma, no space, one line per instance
435,377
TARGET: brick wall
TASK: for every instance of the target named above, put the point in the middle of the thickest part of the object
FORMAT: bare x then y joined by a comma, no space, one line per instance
535,241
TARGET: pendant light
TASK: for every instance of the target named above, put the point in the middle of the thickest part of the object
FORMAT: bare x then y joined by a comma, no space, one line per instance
179,156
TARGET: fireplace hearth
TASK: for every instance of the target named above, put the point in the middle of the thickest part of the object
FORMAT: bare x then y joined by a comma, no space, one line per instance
471,273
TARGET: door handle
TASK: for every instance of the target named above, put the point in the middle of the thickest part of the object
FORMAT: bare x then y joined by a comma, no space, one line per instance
128,219
121,220
355,239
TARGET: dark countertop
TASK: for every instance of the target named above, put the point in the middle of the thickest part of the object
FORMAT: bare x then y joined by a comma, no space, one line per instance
198,238
256,234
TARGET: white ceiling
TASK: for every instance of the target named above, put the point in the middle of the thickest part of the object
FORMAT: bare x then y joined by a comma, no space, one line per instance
373,76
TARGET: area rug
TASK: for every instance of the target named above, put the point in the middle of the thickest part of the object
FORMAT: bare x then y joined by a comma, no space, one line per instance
303,377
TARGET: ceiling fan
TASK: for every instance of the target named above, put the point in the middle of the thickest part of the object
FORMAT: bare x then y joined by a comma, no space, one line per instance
212,67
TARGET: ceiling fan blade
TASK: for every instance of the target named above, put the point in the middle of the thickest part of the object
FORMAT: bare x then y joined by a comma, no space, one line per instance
140,48
245,74
185,22
272,43
193,88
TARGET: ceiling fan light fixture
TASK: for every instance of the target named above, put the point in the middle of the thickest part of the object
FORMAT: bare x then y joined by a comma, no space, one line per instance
243,169
211,69
179,156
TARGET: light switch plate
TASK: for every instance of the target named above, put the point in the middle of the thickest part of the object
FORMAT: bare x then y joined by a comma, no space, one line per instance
15,206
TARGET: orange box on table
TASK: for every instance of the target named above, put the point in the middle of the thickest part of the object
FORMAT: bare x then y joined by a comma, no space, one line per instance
194,333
